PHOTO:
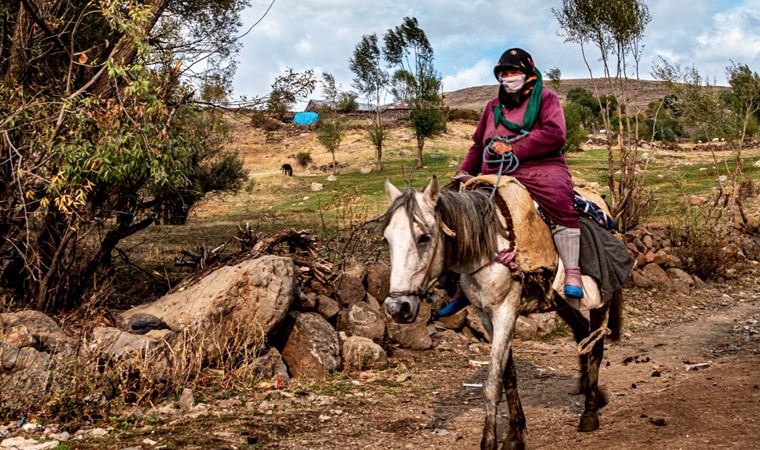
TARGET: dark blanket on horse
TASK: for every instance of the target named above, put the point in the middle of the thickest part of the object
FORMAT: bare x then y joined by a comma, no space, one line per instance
603,258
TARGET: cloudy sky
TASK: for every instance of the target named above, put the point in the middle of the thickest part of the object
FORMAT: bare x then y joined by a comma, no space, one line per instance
469,35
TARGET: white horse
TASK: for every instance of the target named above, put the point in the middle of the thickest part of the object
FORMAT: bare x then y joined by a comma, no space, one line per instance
430,231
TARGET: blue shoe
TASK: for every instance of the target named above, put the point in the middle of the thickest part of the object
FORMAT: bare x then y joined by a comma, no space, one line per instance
457,303
573,291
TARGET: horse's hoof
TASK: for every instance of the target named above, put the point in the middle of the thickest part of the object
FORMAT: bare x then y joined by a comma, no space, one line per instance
488,444
601,399
589,422
513,445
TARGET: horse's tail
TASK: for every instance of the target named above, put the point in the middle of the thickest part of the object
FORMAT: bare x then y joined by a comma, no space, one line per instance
615,321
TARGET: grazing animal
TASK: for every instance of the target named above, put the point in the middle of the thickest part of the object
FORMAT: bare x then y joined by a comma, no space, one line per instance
430,231
287,169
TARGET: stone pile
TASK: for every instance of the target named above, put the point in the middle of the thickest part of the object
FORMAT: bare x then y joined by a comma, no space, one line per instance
658,264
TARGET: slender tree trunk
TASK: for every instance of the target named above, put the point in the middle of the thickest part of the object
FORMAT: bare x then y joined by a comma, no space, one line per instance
420,147
334,164
18,54
125,49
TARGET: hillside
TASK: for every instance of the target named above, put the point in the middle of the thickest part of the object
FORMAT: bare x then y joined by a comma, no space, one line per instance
642,93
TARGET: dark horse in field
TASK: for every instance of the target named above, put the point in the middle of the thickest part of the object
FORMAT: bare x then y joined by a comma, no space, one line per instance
287,169
431,231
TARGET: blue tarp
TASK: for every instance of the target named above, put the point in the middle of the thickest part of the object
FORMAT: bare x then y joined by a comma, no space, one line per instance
306,118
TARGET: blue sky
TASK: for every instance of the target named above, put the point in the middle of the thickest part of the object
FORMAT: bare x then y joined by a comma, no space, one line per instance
469,35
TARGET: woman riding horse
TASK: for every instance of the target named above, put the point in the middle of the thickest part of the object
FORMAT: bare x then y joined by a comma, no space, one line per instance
524,105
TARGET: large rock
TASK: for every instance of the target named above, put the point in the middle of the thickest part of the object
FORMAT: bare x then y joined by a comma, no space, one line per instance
33,329
639,280
378,280
360,353
449,340
359,319
245,301
546,322
475,323
526,328
270,365
678,274
327,307
657,275
413,335
312,348
454,321
349,288
151,351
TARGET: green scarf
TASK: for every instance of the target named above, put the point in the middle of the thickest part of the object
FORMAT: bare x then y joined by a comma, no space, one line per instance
531,112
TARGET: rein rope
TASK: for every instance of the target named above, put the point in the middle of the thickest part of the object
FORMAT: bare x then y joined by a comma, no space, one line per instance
587,344
491,157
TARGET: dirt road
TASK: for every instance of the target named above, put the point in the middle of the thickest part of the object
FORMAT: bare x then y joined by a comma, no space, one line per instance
685,376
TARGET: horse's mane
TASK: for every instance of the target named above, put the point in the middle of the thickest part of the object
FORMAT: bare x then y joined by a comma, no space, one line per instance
470,215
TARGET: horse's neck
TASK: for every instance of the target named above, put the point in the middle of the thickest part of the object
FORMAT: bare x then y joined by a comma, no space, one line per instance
454,264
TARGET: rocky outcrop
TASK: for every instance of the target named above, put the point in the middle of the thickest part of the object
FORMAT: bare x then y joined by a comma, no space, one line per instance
359,319
245,300
312,348
360,353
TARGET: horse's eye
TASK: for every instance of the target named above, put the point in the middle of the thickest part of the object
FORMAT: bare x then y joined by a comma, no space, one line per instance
423,238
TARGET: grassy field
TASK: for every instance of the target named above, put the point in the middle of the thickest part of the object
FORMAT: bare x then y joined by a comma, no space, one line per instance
272,201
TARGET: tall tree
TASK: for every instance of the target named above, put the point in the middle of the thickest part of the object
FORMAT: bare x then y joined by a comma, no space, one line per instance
371,80
407,48
555,77
744,96
99,133
615,29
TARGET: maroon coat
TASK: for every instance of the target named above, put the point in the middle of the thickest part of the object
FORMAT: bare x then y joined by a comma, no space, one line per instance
543,169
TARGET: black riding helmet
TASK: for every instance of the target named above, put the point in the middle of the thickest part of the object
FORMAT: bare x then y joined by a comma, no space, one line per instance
515,59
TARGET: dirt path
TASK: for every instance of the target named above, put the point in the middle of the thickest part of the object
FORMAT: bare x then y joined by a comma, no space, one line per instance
655,402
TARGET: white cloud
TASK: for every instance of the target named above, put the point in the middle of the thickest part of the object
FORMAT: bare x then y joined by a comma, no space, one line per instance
479,74
469,35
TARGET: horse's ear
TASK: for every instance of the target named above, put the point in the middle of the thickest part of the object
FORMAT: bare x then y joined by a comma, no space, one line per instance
431,191
391,190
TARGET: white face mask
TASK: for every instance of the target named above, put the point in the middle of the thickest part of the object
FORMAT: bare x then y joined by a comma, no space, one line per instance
513,84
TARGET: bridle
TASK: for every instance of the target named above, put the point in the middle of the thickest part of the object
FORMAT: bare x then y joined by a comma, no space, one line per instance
424,291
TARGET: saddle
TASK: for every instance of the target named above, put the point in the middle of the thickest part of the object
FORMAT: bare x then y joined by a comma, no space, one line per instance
536,256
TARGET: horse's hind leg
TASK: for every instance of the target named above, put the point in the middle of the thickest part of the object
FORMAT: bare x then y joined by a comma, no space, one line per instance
516,438
580,327
595,398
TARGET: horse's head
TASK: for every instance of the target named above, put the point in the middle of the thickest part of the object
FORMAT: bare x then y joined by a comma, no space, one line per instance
414,239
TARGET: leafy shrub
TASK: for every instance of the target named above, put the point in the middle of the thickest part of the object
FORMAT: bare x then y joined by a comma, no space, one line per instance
574,123
464,115
696,243
303,158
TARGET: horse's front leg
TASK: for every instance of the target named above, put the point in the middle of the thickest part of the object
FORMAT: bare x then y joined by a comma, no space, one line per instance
503,316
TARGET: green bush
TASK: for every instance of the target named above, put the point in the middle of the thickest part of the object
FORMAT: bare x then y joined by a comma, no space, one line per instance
697,244
464,115
303,158
574,122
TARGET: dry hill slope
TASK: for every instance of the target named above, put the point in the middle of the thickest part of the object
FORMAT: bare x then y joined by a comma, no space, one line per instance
641,92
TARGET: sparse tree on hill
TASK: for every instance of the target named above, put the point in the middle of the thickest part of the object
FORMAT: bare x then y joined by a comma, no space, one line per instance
329,134
289,88
714,116
615,29
744,95
555,77
407,48
371,80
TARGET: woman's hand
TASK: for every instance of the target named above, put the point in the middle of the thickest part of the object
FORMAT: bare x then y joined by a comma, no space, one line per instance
501,148
461,176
